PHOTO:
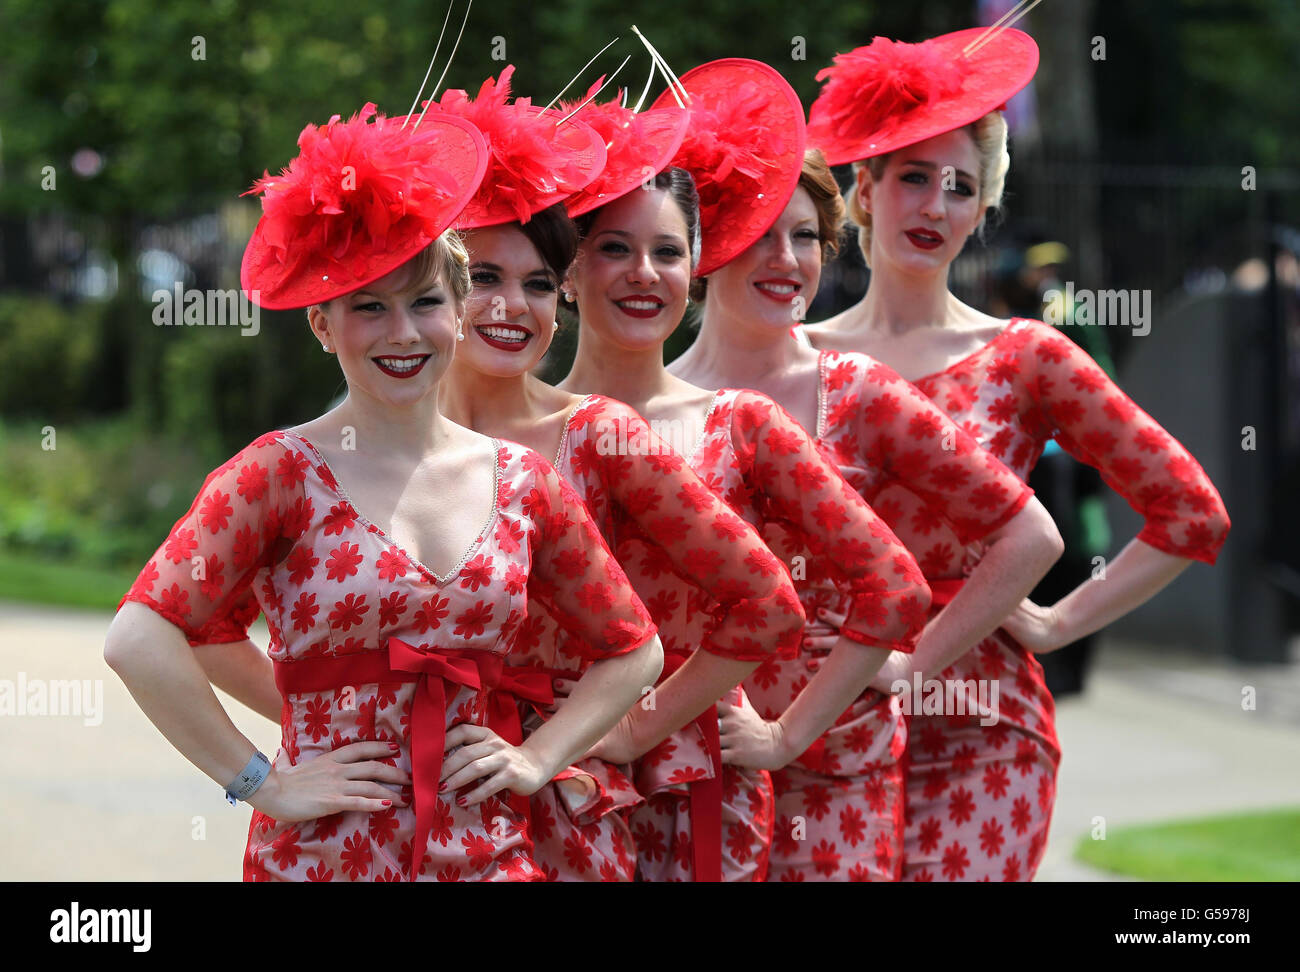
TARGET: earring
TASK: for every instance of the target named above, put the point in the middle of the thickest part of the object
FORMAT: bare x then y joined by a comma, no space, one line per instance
327,349
460,333
555,325
568,296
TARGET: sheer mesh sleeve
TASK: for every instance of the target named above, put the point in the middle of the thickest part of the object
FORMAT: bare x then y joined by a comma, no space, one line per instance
917,444
693,532
574,575
248,512
887,593
1099,425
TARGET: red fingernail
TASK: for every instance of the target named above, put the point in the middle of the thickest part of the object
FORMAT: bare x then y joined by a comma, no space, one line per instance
394,747
442,787
387,803
460,801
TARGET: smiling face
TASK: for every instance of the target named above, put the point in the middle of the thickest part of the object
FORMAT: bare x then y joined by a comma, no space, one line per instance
925,203
633,270
394,338
510,314
774,280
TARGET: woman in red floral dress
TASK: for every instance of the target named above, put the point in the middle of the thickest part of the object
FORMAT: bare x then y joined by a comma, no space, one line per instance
927,166
840,803
631,282
393,553
640,493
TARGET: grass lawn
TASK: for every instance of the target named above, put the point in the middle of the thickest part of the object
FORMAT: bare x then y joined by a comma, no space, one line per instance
1262,846
34,580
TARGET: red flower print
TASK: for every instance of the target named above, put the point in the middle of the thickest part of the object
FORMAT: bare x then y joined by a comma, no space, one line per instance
431,613
825,858
175,601
1021,815
304,612
649,841
477,573
695,497
516,579
1011,869
391,607
571,563
596,598
740,842
340,517
180,545
1026,753
955,861
949,476
1004,409
285,848
509,534
852,826
761,561
816,801
392,564
479,850
302,563
960,805
991,839
931,834
320,873
781,442
348,612
471,624
830,516
292,469
216,510
212,580
343,562
808,477
318,718
356,856
253,481
147,577
996,780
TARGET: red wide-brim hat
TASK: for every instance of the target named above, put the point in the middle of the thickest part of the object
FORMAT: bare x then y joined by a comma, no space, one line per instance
537,157
890,94
744,148
638,145
361,198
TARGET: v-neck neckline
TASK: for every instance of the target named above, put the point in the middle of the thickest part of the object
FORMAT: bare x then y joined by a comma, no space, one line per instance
440,579
704,429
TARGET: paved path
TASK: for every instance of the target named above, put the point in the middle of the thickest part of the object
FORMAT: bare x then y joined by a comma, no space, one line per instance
1155,737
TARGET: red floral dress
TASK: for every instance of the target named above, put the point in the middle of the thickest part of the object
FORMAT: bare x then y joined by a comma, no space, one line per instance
368,644
840,806
651,508
769,470
979,798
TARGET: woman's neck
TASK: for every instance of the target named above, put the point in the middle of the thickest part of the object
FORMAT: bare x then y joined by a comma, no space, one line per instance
896,303
492,404
736,352
380,429
634,376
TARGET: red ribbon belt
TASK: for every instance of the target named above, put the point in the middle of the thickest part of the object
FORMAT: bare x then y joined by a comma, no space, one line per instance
433,669
705,795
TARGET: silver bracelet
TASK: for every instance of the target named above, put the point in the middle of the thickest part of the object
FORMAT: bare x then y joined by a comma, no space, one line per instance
249,779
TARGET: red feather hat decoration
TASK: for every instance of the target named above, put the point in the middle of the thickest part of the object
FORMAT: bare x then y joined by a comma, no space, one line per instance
637,146
534,162
889,94
744,148
361,198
